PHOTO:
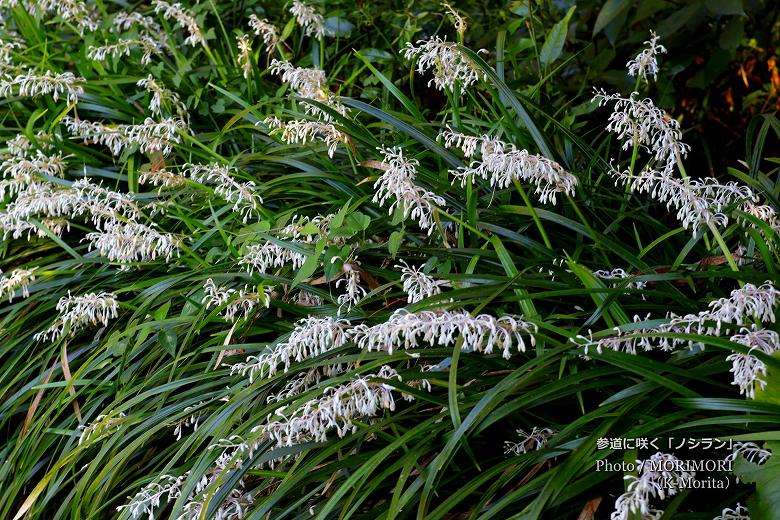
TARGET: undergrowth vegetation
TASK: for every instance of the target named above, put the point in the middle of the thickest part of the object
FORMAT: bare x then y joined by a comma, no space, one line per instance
367,260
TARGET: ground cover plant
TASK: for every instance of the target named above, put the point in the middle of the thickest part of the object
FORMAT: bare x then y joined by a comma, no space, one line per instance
383,260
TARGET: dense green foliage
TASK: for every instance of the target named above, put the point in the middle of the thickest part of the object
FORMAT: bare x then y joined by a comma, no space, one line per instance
88,419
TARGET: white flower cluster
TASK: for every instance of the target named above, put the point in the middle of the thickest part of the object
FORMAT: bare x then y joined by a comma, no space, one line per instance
162,178
77,312
133,242
78,12
124,21
747,368
417,284
480,334
190,421
502,163
659,479
24,169
746,303
160,94
243,195
123,47
750,451
397,182
7,65
311,337
458,20
167,487
750,301
699,202
236,302
102,425
151,136
49,83
309,84
244,57
35,200
270,255
306,380
535,440
15,280
620,274
182,17
353,292
763,212
307,299
55,202
646,64
738,513
299,131
265,30
449,64
640,122
103,204
148,499
363,397
306,16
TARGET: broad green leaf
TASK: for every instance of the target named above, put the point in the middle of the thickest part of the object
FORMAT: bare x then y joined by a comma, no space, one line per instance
556,37
610,11
765,504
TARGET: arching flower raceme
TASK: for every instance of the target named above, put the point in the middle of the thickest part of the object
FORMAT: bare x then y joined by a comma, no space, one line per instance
620,274
18,279
147,45
151,136
28,168
738,513
102,426
640,121
79,13
459,21
78,312
238,303
449,64
243,195
300,131
750,451
162,179
502,163
699,202
417,284
749,301
308,83
183,18
264,257
244,58
535,440
646,63
659,479
49,83
148,500
313,22
133,242
161,95
412,330
748,370
397,184
266,30
363,397
311,337
124,21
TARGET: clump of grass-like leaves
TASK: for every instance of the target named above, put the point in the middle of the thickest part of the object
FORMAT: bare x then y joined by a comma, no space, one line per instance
251,270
